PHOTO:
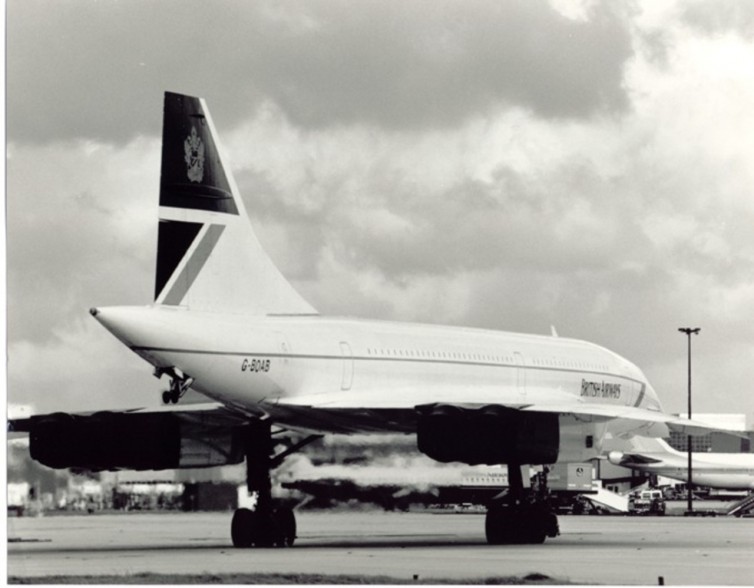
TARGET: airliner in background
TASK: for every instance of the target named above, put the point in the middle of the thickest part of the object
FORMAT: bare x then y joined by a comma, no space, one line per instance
727,471
276,375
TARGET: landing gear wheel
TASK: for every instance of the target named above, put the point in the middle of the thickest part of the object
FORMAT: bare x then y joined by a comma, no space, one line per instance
179,384
242,528
510,526
269,528
535,534
265,529
275,528
523,524
169,396
497,527
286,523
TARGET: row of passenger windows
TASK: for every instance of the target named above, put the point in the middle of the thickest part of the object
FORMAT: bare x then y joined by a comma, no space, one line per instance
501,359
568,363
440,355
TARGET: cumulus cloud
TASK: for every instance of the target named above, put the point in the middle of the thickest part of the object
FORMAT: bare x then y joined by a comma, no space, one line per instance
719,18
80,367
81,231
392,64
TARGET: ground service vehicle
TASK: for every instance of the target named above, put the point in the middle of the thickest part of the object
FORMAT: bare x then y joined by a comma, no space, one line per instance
647,502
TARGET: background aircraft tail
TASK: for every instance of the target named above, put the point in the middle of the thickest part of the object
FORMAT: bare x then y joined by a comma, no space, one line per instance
652,445
208,257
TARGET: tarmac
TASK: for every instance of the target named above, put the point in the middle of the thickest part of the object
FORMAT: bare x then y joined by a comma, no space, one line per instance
590,549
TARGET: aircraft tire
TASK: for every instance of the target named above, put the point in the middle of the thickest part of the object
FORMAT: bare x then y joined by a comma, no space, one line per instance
263,529
535,534
497,526
286,524
510,526
273,528
242,528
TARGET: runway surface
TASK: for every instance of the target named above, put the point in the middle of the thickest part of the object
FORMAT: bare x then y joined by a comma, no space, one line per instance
605,550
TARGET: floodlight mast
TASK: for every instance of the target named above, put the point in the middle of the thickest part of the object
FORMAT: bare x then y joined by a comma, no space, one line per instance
689,505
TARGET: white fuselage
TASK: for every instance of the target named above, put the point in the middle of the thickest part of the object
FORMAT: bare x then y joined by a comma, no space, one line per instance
374,373
730,471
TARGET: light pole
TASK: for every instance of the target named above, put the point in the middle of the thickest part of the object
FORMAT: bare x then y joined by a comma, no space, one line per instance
689,331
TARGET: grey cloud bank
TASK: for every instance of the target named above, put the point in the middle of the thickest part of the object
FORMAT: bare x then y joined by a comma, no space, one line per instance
499,165
84,69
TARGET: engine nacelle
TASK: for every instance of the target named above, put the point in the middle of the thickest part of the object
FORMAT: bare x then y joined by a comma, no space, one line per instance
489,435
615,457
113,441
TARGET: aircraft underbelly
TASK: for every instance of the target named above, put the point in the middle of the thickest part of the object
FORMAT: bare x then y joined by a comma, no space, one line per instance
343,421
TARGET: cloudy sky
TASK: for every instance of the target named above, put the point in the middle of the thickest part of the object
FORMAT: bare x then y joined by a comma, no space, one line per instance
506,165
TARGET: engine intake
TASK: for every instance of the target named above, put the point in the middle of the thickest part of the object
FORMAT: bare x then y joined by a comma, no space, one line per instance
114,441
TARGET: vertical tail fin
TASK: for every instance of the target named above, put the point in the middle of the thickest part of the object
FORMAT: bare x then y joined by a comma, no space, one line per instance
653,445
208,256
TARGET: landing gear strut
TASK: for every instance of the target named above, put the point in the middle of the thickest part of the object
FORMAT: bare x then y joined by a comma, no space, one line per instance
179,384
524,516
266,525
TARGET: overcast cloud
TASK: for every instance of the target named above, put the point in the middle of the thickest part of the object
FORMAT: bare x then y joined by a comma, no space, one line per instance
506,165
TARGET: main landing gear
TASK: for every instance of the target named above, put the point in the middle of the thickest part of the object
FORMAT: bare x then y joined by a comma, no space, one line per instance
266,525
523,516
179,384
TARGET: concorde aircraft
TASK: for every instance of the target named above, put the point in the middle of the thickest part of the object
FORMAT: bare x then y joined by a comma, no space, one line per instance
728,471
227,324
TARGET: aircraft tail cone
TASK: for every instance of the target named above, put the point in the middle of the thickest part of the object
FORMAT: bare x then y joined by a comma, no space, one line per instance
124,322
